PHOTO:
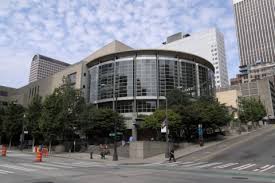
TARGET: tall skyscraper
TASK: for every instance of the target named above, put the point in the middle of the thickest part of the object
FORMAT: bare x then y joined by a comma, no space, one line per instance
255,23
207,44
42,67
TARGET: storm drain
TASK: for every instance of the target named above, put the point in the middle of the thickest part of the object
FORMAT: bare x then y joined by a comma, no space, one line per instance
240,178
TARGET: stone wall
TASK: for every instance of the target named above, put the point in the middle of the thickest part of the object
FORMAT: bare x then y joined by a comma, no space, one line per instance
146,149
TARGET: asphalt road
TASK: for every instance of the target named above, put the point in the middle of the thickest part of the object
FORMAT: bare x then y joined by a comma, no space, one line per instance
259,150
20,168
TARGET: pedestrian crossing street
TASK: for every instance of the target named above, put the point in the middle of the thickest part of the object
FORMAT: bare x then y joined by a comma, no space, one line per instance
8,168
269,168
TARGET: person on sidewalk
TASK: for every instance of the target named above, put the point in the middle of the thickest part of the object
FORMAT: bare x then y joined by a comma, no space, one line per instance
172,155
102,151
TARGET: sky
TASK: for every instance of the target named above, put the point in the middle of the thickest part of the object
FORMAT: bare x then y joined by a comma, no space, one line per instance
70,30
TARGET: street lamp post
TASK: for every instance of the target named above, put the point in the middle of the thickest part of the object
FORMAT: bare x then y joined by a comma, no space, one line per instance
115,156
22,135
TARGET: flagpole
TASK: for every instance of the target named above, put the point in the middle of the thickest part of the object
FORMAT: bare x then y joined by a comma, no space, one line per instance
167,130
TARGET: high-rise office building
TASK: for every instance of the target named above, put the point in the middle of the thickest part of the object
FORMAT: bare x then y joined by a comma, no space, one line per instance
255,31
207,44
42,67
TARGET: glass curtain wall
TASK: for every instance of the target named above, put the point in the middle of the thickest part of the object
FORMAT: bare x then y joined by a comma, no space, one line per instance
116,78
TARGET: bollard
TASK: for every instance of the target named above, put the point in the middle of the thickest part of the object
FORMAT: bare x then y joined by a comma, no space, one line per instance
38,157
4,150
91,155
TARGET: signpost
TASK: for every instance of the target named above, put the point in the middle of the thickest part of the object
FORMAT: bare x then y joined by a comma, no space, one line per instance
200,132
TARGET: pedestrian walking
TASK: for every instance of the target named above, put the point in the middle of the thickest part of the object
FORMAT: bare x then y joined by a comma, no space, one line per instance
172,156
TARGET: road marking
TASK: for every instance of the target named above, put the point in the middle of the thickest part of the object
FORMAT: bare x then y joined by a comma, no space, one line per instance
244,167
38,166
17,168
84,164
209,165
194,164
55,165
264,168
226,165
188,162
5,172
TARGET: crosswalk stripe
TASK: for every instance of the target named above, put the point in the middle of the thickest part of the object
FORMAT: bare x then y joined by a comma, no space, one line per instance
244,167
38,166
55,165
5,172
84,164
258,169
267,168
17,168
187,162
209,165
194,164
226,165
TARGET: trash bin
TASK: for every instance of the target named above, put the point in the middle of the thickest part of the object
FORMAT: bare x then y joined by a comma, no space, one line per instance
91,155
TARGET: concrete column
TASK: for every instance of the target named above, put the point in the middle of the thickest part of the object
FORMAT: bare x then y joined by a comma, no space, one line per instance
198,80
134,116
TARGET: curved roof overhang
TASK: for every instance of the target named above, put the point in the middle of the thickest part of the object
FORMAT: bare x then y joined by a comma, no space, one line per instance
171,53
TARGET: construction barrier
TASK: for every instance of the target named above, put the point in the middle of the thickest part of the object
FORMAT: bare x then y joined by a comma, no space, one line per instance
4,150
38,157
45,152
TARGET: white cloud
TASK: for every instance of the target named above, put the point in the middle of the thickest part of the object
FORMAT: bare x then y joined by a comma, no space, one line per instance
71,29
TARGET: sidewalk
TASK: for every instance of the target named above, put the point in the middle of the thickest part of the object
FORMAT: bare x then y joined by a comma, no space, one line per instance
220,145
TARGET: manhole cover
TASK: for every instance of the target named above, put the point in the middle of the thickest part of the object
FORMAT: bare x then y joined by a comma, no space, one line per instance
239,178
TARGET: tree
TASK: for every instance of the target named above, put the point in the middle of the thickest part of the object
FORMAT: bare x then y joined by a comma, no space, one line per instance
33,115
49,122
13,121
251,109
2,115
72,104
100,122
155,121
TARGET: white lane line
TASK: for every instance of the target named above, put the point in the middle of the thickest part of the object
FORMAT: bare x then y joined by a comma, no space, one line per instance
194,164
258,169
17,168
38,166
267,168
173,164
244,167
55,165
226,165
5,172
152,164
187,162
209,165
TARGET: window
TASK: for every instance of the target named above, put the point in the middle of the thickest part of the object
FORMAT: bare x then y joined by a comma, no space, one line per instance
3,93
72,78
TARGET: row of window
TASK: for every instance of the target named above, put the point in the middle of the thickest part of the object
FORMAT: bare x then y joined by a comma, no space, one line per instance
146,77
127,106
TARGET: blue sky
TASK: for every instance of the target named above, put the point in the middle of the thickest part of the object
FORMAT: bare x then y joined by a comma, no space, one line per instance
70,30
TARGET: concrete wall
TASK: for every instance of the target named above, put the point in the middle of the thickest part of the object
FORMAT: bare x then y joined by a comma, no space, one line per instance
146,149
229,98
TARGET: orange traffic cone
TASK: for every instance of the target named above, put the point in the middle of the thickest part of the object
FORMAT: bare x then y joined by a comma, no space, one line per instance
4,150
38,157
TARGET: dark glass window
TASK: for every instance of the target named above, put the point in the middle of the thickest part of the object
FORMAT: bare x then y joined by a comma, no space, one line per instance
3,93
188,78
105,81
146,77
124,106
72,78
168,76
124,78
146,105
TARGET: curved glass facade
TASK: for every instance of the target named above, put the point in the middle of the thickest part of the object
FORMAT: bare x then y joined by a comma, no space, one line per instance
140,83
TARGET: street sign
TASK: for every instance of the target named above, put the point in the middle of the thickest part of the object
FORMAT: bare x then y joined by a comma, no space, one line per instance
113,134
26,132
